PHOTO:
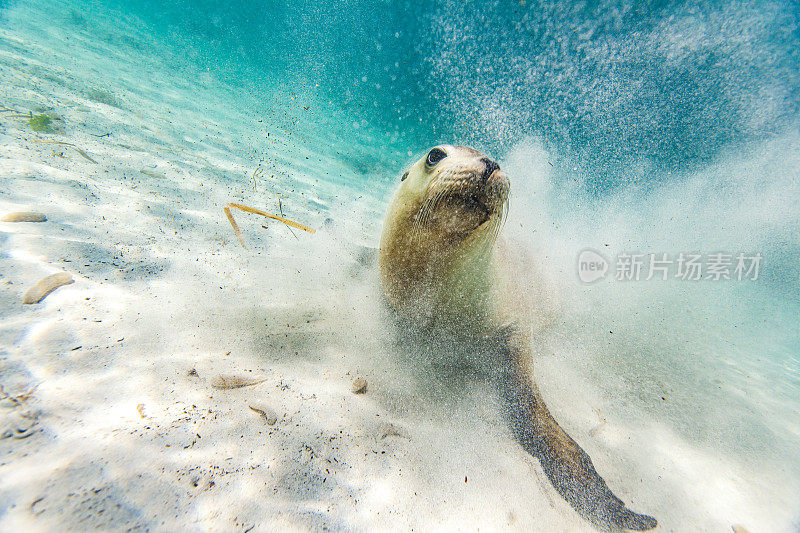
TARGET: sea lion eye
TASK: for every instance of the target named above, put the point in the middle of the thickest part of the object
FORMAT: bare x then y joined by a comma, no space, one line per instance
434,156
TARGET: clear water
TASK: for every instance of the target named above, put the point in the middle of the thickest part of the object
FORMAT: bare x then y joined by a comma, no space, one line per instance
648,127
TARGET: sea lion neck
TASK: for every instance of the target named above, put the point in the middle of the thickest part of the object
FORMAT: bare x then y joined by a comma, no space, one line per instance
426,276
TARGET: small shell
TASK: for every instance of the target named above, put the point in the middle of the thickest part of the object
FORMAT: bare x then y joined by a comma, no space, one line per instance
24,216
45,286
390,430
359,386
266,411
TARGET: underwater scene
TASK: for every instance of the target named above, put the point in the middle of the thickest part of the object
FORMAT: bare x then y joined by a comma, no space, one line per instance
399,266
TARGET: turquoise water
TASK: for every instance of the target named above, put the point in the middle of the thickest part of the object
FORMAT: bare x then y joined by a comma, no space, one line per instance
607,84
647,127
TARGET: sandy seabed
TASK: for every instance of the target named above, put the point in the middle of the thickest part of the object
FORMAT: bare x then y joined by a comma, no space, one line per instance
113,414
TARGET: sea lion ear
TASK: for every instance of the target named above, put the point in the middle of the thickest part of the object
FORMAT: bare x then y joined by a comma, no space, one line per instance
405,175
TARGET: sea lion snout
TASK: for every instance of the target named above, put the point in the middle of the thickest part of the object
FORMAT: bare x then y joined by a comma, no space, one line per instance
466,189
490,165
451,192
496,186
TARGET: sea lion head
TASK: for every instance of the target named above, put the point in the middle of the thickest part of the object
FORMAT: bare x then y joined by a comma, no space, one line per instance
453,193
443,219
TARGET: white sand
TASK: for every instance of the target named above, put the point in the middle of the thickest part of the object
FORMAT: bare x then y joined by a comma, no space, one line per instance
112,429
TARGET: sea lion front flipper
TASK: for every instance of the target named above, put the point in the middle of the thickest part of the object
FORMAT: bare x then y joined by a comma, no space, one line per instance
566,465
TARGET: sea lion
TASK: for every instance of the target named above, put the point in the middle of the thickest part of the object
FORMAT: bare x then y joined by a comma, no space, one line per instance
446,271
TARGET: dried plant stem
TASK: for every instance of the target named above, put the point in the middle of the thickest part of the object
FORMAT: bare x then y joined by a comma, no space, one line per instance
291,223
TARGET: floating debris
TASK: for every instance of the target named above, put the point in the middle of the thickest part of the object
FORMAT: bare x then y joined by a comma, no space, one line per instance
41,123
153,174
258,173
359,386
235,382
24,216
45,286
84,154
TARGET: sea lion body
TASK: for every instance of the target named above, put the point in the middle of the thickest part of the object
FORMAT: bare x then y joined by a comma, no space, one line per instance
446,270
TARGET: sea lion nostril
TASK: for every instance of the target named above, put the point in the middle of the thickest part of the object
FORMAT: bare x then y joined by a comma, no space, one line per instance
491,166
